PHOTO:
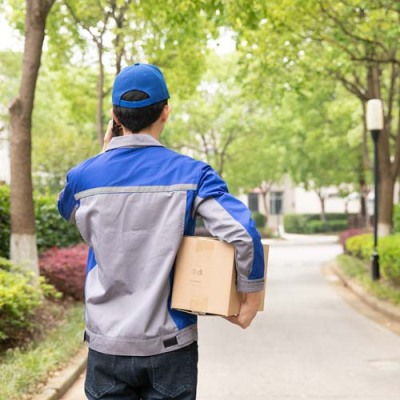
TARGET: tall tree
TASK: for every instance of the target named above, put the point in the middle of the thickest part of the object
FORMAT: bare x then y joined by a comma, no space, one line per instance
23,238
351,42
171,34
207,124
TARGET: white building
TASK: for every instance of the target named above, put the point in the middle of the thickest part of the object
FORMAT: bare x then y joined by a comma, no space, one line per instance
286,198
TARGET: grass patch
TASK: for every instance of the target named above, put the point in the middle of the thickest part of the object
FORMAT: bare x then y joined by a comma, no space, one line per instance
359,270
23,369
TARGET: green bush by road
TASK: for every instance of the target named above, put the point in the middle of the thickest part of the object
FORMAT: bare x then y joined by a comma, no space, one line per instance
396,218
311,223
22,369
358,270
389,253
21,293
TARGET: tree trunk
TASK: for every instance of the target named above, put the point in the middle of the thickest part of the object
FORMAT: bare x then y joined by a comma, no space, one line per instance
23,238
322,202
363,204
365,152
100,94
386,177
385,213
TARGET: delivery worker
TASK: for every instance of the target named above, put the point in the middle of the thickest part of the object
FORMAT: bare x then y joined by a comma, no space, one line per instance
132,204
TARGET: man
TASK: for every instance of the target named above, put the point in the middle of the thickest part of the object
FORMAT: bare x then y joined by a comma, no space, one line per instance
132,204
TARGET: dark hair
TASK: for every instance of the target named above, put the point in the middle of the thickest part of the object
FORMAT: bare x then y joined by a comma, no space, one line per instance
136,119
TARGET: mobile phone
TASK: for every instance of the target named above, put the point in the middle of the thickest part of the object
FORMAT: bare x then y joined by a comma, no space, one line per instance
116,129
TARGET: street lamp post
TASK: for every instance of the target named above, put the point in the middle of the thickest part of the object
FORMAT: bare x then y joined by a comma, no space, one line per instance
375,126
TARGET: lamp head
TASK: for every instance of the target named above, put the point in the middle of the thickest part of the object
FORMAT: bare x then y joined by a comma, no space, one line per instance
375,115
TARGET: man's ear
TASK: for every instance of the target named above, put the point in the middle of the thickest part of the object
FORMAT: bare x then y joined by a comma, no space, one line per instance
165,113
114,117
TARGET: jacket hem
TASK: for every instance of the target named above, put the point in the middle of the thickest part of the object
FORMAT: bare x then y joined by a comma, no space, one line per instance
141,347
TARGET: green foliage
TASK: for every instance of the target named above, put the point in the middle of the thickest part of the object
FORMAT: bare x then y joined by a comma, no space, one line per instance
389,255
360,246
311,223
396,218
300,50
294,223
51,228
23,369
357,269
388,249
4,220
20,295
63,124
338,225
259,219
208,123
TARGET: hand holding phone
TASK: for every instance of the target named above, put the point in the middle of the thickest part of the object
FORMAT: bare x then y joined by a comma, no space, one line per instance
108,135
116,129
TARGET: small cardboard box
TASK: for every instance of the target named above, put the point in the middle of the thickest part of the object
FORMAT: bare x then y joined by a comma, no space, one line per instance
205,277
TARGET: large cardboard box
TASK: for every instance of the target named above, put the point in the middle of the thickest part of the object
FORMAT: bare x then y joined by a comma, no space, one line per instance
205,277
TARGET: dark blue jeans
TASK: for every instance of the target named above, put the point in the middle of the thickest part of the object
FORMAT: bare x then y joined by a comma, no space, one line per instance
171,375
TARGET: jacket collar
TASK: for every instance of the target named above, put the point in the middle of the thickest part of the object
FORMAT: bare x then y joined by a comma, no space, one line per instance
133,140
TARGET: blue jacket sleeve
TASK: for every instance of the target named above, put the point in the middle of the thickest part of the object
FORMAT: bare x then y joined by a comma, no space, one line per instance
67,204
229,219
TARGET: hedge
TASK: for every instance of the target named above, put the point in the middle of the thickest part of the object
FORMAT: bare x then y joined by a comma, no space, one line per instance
347,234
4,221
311,223
259,219
396,218
51,229
388,249
21,293
66,269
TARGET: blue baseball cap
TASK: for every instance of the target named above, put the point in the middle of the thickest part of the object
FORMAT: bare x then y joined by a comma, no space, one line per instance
144,77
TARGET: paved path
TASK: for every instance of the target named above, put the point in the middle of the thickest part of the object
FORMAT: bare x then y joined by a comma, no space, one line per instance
309,344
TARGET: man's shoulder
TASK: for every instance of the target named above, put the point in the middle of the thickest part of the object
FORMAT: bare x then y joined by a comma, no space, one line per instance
77,169
184,159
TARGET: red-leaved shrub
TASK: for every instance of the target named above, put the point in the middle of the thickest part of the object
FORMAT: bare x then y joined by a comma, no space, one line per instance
65,268
349,233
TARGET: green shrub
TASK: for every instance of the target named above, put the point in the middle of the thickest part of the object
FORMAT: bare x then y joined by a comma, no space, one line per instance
259,219
389,256
337,225
4,220
311,223
294,223
361,246
396,218
314,226
20,295
51,228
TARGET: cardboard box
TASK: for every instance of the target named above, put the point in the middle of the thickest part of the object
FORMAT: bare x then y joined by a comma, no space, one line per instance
205,277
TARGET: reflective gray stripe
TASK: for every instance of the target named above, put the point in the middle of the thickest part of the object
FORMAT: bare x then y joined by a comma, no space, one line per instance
72,216
135,189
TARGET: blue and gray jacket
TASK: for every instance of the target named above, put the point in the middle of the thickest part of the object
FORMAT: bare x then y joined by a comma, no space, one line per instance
132,205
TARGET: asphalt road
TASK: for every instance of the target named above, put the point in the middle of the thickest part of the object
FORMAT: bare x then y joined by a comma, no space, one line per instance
309,344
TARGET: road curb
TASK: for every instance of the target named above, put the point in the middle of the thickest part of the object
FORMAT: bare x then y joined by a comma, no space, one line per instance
57,386
389,310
